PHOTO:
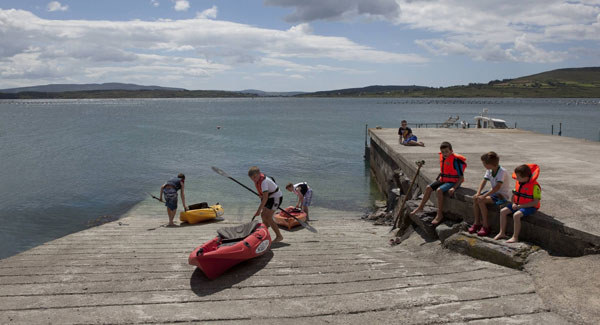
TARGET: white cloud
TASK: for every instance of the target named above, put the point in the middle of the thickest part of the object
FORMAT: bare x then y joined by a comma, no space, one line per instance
494,30
56,6
154,3
181,5
210,13
87,50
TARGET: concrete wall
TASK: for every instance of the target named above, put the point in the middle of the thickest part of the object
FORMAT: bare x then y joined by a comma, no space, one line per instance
542,230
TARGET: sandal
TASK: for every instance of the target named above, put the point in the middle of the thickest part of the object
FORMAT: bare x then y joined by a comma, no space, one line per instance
484,231
474,228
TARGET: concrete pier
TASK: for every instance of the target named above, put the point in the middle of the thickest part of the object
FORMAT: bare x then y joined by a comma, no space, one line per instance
133,271
568,222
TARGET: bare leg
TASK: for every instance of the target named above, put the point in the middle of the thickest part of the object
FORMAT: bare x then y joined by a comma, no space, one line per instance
476,211
502,234
267,218
440,215
517,218
484,211
426,196
305,209
171,214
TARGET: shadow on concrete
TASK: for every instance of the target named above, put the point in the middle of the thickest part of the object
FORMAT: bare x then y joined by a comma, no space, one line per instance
203,286
426,237
279,245
207,222
297,228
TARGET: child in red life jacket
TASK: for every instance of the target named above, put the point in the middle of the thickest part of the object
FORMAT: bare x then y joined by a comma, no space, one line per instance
452,167
270,199
526,200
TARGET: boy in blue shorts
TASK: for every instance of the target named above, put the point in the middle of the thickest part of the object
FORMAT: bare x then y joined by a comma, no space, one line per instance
304,193
411,140
526,200
452,167
500,192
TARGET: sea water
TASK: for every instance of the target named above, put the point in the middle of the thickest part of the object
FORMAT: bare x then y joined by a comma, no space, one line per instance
65,163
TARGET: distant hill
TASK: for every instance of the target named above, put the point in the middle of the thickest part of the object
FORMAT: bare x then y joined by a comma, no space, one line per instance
56,88
98,94
271,93
372,91
561,83
572,76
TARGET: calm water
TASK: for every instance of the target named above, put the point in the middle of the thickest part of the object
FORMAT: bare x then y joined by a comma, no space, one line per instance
64,163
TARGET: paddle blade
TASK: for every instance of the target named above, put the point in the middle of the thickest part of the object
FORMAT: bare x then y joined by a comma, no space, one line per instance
219,171
307,226
302,223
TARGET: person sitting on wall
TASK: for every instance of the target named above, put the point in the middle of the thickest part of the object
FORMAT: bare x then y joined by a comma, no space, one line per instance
526,200
403,131
452,168
406,136
411,140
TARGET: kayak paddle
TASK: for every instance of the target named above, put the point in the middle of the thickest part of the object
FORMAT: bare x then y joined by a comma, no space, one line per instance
154,197
302,223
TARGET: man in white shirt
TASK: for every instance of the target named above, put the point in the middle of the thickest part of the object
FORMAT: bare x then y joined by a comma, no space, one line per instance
271,198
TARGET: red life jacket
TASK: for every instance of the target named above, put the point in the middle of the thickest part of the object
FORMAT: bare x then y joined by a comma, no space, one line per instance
258,184
448,173
523,193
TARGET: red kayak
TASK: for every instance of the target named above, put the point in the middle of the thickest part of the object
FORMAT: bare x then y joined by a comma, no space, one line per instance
283,219
231,246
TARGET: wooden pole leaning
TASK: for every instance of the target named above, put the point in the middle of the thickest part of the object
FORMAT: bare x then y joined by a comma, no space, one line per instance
397,220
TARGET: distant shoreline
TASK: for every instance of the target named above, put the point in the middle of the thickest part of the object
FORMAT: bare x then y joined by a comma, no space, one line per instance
450,92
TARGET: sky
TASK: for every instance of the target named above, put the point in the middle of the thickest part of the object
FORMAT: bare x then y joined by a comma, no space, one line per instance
292,45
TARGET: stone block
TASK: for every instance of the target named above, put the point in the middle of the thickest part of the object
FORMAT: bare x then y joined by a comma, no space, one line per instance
423,219
512,255
448,229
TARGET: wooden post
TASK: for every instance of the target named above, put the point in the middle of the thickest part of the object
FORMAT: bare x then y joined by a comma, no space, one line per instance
552,132
560,129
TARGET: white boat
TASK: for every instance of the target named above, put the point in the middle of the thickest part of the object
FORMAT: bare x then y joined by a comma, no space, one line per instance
486,122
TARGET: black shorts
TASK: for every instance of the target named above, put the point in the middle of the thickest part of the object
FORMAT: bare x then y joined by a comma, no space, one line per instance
272,205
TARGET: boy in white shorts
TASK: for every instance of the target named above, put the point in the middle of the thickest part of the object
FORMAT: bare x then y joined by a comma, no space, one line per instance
500,192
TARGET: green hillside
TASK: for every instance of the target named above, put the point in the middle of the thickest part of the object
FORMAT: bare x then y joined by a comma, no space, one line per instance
565,83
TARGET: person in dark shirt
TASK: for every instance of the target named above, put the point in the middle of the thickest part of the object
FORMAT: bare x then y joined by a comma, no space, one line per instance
407,138
404,131
169,190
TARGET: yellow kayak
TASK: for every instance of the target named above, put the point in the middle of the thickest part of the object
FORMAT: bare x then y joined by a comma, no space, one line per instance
199,215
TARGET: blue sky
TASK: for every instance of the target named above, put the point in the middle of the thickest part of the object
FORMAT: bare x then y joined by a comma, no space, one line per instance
288,45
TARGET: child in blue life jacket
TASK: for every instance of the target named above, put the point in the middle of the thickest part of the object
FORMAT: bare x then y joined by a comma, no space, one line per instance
452,167
499,194
169,190
526,200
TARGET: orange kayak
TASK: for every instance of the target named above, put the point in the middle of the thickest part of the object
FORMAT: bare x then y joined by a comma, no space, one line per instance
284,220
